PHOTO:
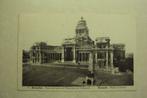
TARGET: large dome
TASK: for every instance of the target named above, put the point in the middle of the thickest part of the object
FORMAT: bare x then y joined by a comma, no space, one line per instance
81,24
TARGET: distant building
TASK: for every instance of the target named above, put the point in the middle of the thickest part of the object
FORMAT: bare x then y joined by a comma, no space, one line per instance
26,56
80,49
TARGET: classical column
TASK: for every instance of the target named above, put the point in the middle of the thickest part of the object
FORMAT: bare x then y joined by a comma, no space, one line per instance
86,57
90,67
74,53
62,55
111,61
106,60
96,58
40,60
80,57
96,61
58,56
83,56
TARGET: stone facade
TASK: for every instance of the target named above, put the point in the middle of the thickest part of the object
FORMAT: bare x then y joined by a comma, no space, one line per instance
81,49
43,53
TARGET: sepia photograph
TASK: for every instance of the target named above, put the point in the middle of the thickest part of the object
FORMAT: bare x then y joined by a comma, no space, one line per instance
84,49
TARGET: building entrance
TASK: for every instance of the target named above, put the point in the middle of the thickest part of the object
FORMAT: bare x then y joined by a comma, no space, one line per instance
68,54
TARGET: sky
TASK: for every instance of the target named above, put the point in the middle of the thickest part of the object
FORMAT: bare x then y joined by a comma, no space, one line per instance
53,27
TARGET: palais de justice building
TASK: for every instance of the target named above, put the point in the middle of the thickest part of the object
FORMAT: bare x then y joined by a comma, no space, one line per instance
80,49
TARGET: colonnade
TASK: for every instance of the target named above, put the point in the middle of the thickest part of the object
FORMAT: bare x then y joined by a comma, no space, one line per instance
89,56
54,56
83,57
108,60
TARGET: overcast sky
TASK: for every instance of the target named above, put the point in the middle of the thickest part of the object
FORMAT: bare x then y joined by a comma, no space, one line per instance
54,27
